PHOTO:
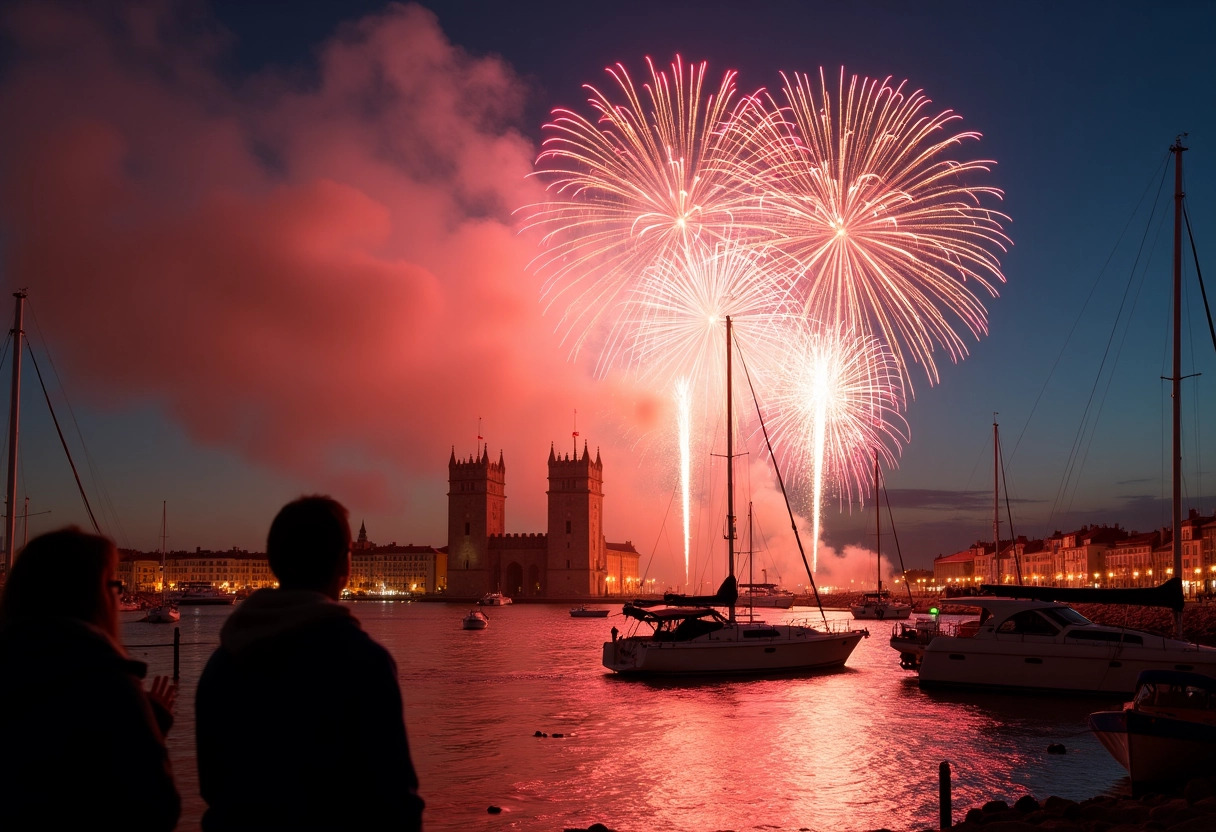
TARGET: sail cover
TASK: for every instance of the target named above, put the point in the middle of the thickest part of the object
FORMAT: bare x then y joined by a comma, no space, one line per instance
726,596
1168,594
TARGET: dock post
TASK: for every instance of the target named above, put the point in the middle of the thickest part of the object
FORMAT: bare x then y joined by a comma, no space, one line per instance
177,653
943,796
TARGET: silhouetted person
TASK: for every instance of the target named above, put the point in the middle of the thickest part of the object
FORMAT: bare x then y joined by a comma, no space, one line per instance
299,719
82,744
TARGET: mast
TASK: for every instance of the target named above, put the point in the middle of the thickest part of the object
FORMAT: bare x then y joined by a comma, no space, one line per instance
877,524
1176,379
996,502
14,414
730,472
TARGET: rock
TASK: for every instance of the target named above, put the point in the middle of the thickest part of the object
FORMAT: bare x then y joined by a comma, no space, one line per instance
1026,804
494,810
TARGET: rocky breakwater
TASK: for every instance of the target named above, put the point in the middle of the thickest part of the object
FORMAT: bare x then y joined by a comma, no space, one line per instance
1190,808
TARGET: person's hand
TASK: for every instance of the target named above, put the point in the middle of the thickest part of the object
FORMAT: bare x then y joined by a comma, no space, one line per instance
163,691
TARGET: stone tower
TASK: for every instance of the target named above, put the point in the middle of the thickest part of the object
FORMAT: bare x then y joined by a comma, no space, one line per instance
577,559
476,510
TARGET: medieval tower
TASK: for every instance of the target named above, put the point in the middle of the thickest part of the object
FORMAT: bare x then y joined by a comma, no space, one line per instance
477,502
570,559
576,552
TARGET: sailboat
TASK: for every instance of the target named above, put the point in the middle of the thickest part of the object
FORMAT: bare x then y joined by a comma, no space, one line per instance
691,636
166,612
1028,639
879,605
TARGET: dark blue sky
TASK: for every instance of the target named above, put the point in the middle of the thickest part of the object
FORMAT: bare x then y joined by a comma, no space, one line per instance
1078,104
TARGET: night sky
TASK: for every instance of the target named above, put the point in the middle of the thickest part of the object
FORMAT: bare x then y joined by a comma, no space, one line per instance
271,249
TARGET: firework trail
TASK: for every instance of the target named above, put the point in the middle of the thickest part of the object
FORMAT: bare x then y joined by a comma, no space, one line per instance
837,399
863,191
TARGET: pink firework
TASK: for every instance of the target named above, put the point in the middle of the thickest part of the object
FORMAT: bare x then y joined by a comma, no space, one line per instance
889,228
631,188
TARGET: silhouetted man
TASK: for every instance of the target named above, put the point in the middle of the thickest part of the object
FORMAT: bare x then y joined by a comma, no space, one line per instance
299,717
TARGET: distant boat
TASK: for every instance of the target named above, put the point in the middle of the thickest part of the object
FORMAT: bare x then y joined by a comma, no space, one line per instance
475,620
494,599
166,612
879,606
1167,733
201,593
765,595
586,612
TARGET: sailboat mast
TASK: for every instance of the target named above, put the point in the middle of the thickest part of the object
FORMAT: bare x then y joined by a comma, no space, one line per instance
1176,380
996,502
14,417
877,524
730,471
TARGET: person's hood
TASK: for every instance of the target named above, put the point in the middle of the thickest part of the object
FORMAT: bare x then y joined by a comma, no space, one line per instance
273,614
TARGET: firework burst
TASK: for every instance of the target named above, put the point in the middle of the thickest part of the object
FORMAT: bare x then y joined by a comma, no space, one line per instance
888,228
630,188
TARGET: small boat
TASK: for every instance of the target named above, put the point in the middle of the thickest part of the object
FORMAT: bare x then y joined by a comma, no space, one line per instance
585,612
879,606
166,612
494,599
475,620
163,614
765,595
1167,733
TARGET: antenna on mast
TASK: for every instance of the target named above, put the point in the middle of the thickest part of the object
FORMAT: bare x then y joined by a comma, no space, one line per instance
479,437
574,435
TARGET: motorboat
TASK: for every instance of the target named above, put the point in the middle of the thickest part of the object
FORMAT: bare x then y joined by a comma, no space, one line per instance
201,593
1166,734
475,620
1037,645
588,612
880,606
494,599
765,595
690,635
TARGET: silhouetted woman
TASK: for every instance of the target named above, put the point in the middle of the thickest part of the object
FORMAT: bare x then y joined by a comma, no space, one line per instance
81,743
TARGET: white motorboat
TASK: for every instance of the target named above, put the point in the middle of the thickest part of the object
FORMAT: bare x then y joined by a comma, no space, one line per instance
1034,645
690,636
201,593
494,599
475,620
1167,733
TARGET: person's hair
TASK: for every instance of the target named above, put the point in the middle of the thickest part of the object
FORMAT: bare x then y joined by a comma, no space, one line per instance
65,569
308,540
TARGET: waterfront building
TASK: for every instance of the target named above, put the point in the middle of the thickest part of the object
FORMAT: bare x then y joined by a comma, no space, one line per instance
394,569
570,559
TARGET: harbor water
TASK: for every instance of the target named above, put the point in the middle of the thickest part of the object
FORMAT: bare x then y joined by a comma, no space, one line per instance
849,750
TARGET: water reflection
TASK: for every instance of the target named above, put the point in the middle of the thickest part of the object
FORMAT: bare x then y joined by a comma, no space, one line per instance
847,750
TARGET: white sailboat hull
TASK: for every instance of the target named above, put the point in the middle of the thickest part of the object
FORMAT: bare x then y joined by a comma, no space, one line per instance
734,649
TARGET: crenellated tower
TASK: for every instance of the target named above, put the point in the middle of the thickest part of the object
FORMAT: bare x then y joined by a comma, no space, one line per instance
576,548
477,501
